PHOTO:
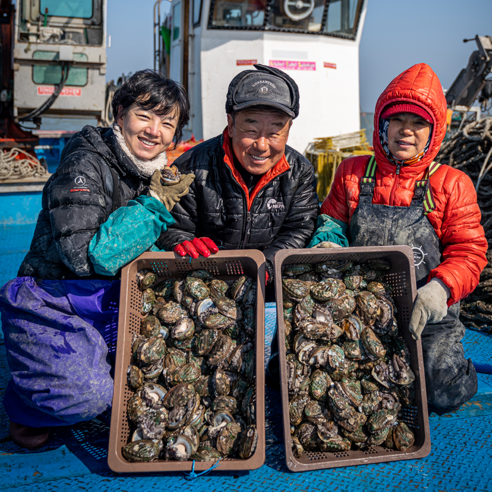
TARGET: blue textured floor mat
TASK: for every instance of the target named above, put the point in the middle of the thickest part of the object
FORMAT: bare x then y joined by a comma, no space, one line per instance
460,460
75,458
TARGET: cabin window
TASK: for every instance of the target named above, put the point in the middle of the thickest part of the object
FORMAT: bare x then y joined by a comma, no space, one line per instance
61,21
197,12
338,18
176,21
341,17
238,13
67,8
52,74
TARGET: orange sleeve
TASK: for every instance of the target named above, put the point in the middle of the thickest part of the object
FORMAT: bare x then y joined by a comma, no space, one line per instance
335,204
463,240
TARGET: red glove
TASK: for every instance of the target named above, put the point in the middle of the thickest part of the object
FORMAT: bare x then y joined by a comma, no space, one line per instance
267,277
199,246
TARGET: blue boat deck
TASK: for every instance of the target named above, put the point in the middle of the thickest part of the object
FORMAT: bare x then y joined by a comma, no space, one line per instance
75,458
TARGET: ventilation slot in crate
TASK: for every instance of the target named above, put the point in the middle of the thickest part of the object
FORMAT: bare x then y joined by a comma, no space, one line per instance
210,266
398,282
134,326
160,268
183,267
135,297
403,315
410,416
234,268
341,454
315,456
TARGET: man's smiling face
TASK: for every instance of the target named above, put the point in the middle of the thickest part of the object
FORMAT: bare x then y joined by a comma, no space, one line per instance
259,138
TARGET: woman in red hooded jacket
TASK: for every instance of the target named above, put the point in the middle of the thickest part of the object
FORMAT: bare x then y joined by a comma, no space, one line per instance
401,196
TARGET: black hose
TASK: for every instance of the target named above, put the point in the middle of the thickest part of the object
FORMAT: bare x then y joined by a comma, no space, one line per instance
49,102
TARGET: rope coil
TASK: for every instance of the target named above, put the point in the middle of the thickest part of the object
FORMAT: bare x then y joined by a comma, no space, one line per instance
12,167
470,150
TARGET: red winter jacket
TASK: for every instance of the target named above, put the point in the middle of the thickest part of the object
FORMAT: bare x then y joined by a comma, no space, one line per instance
456,218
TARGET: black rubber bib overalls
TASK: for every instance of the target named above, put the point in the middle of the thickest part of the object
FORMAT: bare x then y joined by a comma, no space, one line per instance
450,378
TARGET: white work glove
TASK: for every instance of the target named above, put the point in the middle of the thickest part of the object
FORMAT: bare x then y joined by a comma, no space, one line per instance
430,306
327,244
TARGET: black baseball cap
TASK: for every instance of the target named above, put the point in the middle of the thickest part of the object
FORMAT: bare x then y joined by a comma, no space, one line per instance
265,86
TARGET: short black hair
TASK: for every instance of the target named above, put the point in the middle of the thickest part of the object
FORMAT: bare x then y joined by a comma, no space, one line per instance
153,92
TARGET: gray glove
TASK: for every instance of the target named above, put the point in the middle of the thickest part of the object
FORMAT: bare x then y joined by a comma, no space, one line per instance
170,195
327,244
430,306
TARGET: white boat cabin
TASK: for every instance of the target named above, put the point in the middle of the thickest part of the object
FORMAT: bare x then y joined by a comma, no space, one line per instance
316,41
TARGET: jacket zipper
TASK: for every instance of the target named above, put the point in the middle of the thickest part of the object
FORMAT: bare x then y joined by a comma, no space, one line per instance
395,184
247,229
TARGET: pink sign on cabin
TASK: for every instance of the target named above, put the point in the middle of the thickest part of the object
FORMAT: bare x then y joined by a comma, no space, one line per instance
47,90
293,65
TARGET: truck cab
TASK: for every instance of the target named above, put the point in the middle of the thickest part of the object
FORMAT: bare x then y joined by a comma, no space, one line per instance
57,41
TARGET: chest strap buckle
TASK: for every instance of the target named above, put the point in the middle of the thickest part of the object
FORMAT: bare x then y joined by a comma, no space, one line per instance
424,188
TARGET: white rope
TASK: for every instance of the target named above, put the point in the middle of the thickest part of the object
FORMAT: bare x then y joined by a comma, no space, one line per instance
12,167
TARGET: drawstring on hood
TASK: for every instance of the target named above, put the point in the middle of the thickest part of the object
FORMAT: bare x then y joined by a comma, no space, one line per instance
146,168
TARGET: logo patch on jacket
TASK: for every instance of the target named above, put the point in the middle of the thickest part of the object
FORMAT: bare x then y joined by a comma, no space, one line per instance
275,206
418,255
79,180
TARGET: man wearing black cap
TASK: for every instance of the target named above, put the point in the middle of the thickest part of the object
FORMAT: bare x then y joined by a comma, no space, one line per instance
251,191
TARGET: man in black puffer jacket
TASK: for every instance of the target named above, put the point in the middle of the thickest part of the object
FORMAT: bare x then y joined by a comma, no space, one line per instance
251,191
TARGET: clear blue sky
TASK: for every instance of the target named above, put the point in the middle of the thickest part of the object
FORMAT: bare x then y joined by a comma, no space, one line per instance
400,33
397,34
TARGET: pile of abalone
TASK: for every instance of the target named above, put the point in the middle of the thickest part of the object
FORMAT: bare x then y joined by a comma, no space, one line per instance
348,367
193,370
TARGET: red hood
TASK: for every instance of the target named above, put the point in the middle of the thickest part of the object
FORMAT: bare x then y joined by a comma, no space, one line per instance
418,85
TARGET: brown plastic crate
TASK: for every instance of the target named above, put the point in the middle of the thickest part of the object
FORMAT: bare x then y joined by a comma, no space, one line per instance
401,277
225,265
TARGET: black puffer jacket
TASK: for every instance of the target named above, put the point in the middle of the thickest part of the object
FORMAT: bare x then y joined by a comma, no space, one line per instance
281,215
76,200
